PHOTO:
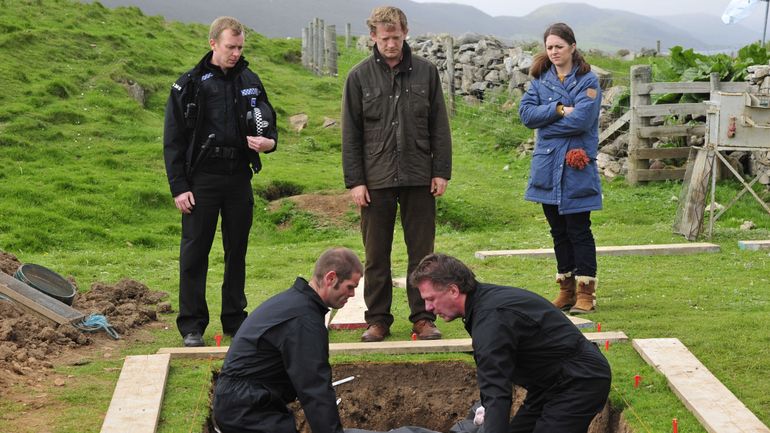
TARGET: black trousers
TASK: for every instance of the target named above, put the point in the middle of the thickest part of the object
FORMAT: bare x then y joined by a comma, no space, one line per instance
568,407
418,219
231,196
241,406
573,241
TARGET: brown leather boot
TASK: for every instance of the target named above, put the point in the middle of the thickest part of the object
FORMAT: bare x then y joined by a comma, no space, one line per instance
586,295
426,330
567,296
375,332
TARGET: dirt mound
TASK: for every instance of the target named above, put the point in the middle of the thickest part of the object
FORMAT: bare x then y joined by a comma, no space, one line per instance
8,263
30,345
331,207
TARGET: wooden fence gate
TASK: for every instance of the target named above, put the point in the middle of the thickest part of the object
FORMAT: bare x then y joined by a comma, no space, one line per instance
641,133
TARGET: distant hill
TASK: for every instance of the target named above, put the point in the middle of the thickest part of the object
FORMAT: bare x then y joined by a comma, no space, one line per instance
606,29
706,27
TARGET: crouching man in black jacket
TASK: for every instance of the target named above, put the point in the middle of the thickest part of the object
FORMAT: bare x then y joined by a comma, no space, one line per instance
281,352
519,338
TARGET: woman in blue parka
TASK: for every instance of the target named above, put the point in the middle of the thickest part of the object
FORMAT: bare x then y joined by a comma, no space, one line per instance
562,104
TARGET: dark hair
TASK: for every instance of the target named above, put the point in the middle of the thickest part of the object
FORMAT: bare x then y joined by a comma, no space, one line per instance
541,63
340,260
444,270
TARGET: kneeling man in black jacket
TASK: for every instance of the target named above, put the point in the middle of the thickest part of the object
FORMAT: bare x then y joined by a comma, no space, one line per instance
281,352
519,338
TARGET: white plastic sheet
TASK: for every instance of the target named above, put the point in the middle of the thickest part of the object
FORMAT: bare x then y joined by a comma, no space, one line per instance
737,10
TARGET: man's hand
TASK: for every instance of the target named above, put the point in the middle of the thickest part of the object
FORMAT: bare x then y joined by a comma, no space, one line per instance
360,195
260,144
438,186
185,202
568,110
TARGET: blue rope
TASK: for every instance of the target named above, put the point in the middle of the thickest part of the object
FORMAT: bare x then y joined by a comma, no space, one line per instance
95,322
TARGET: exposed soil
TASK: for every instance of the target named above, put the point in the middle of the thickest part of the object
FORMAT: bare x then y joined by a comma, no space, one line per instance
332,207
432,395
31,346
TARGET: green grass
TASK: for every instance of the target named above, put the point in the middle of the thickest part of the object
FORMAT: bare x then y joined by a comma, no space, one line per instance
83,191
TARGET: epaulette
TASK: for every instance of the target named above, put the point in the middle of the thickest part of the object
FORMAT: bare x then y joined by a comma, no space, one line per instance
182,81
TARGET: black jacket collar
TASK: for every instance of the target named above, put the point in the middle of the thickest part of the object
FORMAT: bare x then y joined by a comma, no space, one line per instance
205,65
301,285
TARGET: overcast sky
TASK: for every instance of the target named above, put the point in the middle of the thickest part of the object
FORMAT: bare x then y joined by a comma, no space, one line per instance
646,7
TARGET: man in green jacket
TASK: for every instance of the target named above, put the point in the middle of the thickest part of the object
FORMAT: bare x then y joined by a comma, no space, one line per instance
396,151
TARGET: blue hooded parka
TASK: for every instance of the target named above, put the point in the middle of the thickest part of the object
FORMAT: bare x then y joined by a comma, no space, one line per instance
551,180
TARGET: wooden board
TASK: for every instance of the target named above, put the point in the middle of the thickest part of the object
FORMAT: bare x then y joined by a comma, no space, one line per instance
388,347
38,302
351,316
135,405
622,120
628,250
717,409
754,245
580,322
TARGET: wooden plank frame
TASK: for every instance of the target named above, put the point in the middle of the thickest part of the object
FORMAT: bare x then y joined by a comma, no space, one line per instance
388,347
627,250
754,245
136,402
717,409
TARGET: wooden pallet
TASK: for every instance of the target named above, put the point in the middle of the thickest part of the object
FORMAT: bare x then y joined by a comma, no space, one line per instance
717,409
628,250
136,402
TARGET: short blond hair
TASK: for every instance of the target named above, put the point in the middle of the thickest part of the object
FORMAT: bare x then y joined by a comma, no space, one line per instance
223,23
388,15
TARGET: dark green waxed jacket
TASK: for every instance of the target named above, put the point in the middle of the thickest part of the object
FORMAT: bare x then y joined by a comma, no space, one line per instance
395,130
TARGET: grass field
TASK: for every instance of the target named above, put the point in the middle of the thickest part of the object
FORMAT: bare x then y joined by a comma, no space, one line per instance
83,191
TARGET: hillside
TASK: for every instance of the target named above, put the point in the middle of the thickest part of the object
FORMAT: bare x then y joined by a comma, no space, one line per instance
605,29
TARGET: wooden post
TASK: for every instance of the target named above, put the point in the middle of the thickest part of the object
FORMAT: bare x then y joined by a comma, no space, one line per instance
640,95
322,66
450,71
657,47
317,49
305,61
311,46
331,50
347,36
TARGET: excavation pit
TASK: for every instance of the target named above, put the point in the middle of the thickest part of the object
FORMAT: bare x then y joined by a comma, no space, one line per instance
432,395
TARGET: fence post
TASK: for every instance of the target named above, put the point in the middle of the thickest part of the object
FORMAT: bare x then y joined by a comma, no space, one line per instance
450,71
305,61
321,47
316,59
311,46
640,75
347,36
331,50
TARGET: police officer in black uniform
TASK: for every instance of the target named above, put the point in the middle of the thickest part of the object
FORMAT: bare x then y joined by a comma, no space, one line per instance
218,120
282,352
519,338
